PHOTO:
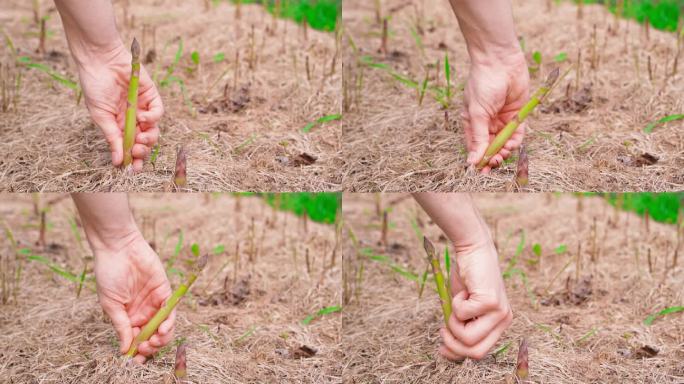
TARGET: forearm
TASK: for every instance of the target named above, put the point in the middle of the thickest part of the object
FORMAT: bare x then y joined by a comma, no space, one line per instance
106,217
488,29
90,28
457,216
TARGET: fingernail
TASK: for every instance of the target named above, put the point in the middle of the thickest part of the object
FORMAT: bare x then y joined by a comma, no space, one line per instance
471,155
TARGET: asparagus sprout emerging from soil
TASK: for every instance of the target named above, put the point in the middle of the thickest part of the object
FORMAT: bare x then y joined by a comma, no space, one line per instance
179,177
180,370
132,106
442,290
151,327
522,173
522,369
510,128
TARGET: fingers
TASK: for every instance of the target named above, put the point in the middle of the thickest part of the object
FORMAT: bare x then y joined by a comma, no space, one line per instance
446,352
148,136
477,351
474,306
472,332
147,349
153,113
122,325
140,151
139,359
114,137
166,327
479,139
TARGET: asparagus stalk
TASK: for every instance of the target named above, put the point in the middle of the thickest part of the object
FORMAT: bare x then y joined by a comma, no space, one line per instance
151,327
506,133
132,108
442,290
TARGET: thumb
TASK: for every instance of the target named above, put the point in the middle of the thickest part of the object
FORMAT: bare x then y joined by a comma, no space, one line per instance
122,325
479,125
114,137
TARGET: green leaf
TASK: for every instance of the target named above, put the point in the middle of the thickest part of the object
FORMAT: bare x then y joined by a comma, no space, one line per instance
195,57
650,126
321,120
54,267
24,251
219,249
537,249
322,312
650,319
447,69
537,57
194,248
561,249
219,57
561,57
447,261
179,245
155,154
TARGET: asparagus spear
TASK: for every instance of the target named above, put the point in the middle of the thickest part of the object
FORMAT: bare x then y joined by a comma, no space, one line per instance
151,327
442,290
522,173
179,177
506,133
180,370
522,369
132,108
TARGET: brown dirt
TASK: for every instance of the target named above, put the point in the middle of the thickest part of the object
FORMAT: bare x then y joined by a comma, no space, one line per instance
591,140
52,337
236,143
390,335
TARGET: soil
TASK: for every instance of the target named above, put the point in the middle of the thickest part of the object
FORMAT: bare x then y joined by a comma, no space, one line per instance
237,130
587,328
243,327
588,136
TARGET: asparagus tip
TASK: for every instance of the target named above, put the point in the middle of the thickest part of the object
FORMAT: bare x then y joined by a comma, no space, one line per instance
180,369
202,262
522,173
135,49
429,248
552,77
522,369
180,178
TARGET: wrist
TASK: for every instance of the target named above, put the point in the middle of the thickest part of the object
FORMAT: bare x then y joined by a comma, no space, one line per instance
509,55
112,239
88,54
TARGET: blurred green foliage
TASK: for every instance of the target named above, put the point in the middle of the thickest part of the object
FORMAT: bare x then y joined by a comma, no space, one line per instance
319,14
661,14
662,207
319,207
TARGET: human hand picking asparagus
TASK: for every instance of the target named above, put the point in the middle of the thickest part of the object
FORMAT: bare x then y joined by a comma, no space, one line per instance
104,68
498,83
480,311
131,281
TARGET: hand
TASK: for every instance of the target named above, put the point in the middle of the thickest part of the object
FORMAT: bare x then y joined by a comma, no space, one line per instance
131,287
104,79
481,311
496,90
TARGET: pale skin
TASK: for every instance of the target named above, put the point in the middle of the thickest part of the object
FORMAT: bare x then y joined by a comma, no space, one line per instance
481,311
131,281
104,69
498,84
